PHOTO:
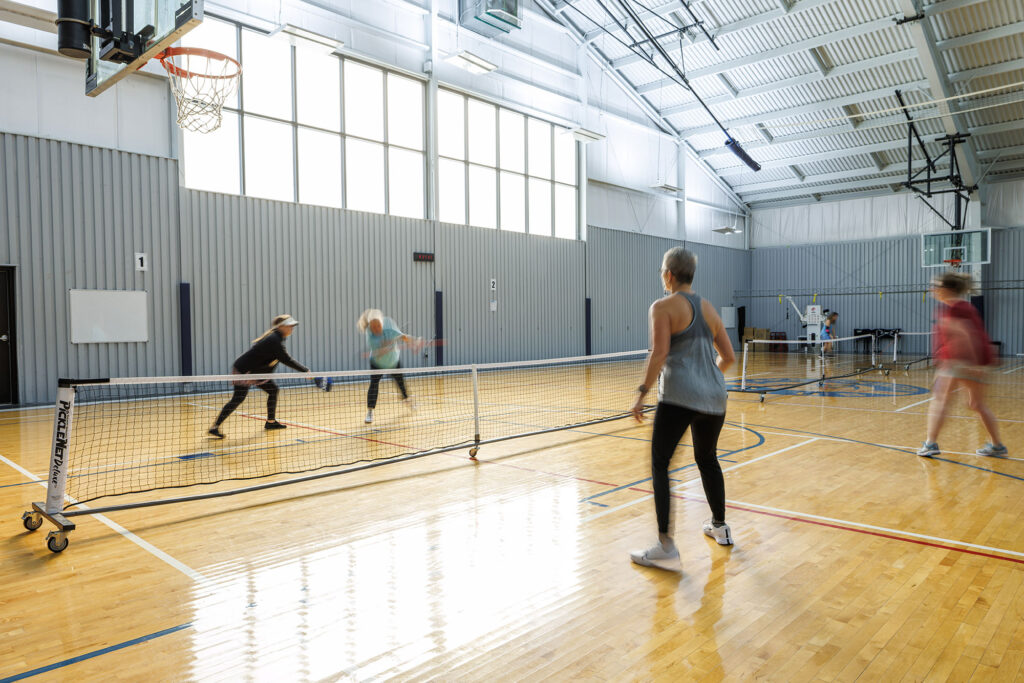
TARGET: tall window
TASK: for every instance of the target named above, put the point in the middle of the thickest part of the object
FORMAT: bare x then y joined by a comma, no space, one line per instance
501,169
307,125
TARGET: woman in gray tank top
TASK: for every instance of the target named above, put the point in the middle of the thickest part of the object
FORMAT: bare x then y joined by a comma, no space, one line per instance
685,333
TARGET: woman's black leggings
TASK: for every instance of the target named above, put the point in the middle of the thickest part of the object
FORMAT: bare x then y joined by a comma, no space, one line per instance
371,396
241,391
670,423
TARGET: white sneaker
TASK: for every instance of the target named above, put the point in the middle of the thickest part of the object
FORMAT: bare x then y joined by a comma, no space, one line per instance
658,556
993,450
721,534
369,417
410,404
927,450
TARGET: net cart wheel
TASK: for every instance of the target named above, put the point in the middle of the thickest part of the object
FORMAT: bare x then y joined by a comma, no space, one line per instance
56,541
32,520
473,451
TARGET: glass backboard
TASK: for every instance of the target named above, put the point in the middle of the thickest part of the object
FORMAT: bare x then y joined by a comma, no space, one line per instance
970,247
170,19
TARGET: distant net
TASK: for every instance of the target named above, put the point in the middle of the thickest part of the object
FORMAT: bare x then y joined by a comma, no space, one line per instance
912,350
784,365
147,434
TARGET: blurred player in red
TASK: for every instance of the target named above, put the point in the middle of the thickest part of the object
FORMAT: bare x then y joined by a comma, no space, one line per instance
962,352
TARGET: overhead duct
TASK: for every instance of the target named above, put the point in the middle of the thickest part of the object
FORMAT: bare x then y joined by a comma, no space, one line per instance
490,17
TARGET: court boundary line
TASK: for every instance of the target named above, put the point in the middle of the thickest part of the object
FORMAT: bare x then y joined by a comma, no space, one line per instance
95,653
610,510
870,529
131,536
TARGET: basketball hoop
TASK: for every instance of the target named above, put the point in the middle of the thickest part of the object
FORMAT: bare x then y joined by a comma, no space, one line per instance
953,263
201,80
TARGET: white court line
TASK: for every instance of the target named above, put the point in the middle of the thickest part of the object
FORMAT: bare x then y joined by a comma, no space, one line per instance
900,410
145,545
1019,367
781,402
608,511
896,532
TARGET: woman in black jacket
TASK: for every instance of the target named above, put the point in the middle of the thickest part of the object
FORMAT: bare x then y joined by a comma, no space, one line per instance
262,358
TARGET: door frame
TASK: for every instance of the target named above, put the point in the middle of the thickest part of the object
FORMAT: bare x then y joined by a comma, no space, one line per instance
13,331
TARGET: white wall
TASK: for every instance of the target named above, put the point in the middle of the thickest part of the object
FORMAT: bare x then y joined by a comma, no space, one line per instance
855,219
44,96
1004,205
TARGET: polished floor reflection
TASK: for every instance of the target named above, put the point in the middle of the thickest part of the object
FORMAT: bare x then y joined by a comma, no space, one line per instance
854,558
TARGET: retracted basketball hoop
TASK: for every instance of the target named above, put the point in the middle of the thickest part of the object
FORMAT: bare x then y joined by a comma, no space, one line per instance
201,80
953,263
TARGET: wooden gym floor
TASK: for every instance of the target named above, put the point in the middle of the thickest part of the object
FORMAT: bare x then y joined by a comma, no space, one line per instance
854,558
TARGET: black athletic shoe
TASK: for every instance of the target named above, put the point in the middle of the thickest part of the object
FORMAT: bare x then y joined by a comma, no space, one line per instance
274,425
215,432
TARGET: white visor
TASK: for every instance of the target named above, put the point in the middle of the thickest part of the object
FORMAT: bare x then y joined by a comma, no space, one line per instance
288,322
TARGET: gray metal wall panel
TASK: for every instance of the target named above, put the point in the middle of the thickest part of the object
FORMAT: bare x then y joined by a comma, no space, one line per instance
867,268
623,276
1004,306
72,217
541,293
250,259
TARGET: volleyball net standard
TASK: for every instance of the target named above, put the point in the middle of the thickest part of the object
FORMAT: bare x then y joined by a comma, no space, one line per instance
149,435
774,365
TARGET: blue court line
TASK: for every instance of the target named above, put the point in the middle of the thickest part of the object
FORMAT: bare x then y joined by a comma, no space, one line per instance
94,653
760,440
20,483
894,448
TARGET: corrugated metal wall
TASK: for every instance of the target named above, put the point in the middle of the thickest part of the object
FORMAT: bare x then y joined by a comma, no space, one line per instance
541,293
848,276
1004,307
72,217
250,259
623,276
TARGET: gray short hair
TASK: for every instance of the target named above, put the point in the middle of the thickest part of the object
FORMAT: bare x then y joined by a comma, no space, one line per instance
682,263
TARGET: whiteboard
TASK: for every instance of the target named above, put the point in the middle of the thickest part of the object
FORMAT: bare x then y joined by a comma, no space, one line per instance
729,316
106,316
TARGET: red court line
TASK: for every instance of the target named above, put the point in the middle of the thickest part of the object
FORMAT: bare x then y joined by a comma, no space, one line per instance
324,430
780,516
855,529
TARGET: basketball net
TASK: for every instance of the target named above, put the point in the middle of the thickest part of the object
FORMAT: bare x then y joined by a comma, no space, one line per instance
201,81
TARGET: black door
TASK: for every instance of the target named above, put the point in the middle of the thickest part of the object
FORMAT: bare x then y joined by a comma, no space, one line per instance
8,366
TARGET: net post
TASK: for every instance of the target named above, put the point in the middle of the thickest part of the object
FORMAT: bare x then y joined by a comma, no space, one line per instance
743,374
476,407
874,351
895,346
57,477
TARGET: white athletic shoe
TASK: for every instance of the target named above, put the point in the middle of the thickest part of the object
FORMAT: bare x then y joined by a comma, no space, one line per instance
369,417
410,404
658,556
721,534
993,450
927,450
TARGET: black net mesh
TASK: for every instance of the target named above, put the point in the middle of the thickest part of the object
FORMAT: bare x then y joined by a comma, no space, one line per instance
143,435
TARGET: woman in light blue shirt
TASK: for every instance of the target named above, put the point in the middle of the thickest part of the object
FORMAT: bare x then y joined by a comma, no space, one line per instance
383,338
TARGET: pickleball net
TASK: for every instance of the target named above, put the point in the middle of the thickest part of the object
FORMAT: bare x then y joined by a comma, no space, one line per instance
770,365
150,435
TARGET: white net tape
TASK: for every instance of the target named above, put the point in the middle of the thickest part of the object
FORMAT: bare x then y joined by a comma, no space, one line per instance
201,80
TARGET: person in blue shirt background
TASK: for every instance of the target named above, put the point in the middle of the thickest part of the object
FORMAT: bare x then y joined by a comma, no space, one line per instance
828,330
383,338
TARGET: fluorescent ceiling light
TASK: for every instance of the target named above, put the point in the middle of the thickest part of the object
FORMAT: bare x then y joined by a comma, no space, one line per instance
301,37
584,135
665,187
465,59
727,230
